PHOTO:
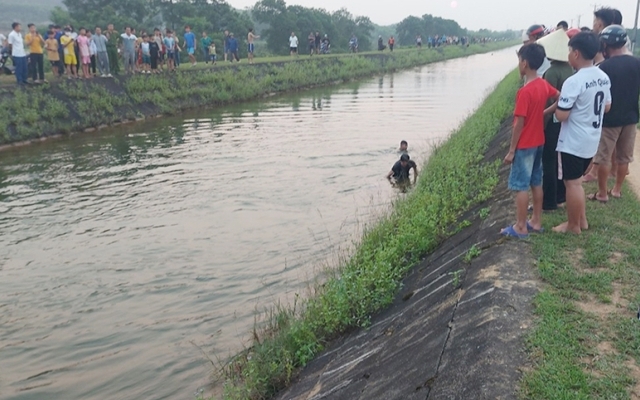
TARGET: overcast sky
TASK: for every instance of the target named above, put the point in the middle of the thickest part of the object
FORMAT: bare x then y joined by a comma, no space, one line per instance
473,14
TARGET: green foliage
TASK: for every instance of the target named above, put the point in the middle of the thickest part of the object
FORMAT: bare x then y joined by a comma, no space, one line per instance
426,26
282,20
474,252
453,180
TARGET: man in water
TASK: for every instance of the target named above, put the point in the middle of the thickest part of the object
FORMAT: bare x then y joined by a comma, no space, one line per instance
400,170
404,146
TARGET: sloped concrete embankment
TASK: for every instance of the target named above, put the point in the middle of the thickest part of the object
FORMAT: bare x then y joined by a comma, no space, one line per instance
455,331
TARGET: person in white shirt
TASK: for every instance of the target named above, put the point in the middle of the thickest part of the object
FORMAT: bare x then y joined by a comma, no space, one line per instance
584,99
293,44
18,54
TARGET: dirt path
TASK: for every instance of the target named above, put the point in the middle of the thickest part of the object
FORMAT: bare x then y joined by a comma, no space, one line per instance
634,169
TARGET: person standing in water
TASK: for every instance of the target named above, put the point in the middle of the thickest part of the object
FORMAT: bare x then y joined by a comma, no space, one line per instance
401,170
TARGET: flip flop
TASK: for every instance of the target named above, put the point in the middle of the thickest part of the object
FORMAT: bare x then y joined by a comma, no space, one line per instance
610,193
593,197
531,230
511,232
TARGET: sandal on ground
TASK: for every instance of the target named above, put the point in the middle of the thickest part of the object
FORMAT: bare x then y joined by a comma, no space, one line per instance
511,232
593,197
531,230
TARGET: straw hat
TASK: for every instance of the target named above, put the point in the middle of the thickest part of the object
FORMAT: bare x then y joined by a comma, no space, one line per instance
556,45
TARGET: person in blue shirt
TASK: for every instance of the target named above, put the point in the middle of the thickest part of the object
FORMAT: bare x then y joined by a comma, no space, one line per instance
190,44
233,48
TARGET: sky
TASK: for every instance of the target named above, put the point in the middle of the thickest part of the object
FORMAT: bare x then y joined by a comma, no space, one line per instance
473,14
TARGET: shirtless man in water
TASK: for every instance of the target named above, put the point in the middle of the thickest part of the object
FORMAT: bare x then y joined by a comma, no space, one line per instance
250,38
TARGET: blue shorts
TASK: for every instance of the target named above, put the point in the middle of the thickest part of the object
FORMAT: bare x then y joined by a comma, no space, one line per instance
191,50
250,48
526,169
146,59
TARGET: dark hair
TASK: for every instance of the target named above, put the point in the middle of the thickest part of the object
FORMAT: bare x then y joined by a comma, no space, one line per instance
51,33
127,27
403,142
81,28
585,29
405,157
533,54
606,15
30,25
586,43
563,24
156,29
250,29
617,17
56,27
13,26
187,27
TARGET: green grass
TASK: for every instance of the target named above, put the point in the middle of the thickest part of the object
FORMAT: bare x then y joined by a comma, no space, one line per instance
587,336
77,105
453,180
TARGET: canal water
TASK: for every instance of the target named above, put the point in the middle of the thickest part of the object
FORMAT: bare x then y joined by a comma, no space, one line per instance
130,256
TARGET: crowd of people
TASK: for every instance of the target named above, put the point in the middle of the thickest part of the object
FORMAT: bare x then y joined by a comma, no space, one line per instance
432,41
575,120
87,53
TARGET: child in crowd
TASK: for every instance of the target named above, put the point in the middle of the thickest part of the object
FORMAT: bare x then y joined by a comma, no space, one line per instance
51,44
70,60
190,44
93,50
584,99
145,49
154,52
170,46
527,141
212,53
85,55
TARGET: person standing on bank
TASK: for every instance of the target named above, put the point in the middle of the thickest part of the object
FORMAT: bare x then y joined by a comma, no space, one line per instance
112,49
293,44
102,53
556,47
251,46
401,170
18,55
619,124
35,41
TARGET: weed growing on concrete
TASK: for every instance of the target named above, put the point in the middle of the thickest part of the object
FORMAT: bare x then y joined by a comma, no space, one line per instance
474,252
452,181
484,213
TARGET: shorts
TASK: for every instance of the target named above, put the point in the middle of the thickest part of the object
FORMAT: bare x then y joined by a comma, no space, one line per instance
86,59
572,167
293,49
191,50
250,48
146,59
170,54
526,169
70,59
54,63
622,139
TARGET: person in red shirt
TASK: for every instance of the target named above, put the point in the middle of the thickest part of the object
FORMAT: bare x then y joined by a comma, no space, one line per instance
527,141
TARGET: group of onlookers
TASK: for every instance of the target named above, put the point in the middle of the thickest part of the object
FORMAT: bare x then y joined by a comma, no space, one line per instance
86,53
575,120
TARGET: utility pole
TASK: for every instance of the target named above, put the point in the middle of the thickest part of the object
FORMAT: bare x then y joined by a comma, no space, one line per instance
635,29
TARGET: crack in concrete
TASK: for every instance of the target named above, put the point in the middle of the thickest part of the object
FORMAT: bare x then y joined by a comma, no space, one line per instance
444,347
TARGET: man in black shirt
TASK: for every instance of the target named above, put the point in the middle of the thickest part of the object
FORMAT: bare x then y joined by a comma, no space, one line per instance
400,170
619,124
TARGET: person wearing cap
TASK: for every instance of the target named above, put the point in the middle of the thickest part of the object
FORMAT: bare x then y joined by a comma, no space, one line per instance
233,48
556,46
619,124
531,35
401,169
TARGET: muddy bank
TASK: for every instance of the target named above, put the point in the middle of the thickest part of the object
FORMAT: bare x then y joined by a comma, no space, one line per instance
67,106
456,329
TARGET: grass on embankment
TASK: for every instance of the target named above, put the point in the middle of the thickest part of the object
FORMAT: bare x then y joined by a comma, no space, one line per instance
586,343
67,106
452,181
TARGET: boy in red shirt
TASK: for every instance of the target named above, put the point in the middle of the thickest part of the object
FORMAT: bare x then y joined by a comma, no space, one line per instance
527,141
